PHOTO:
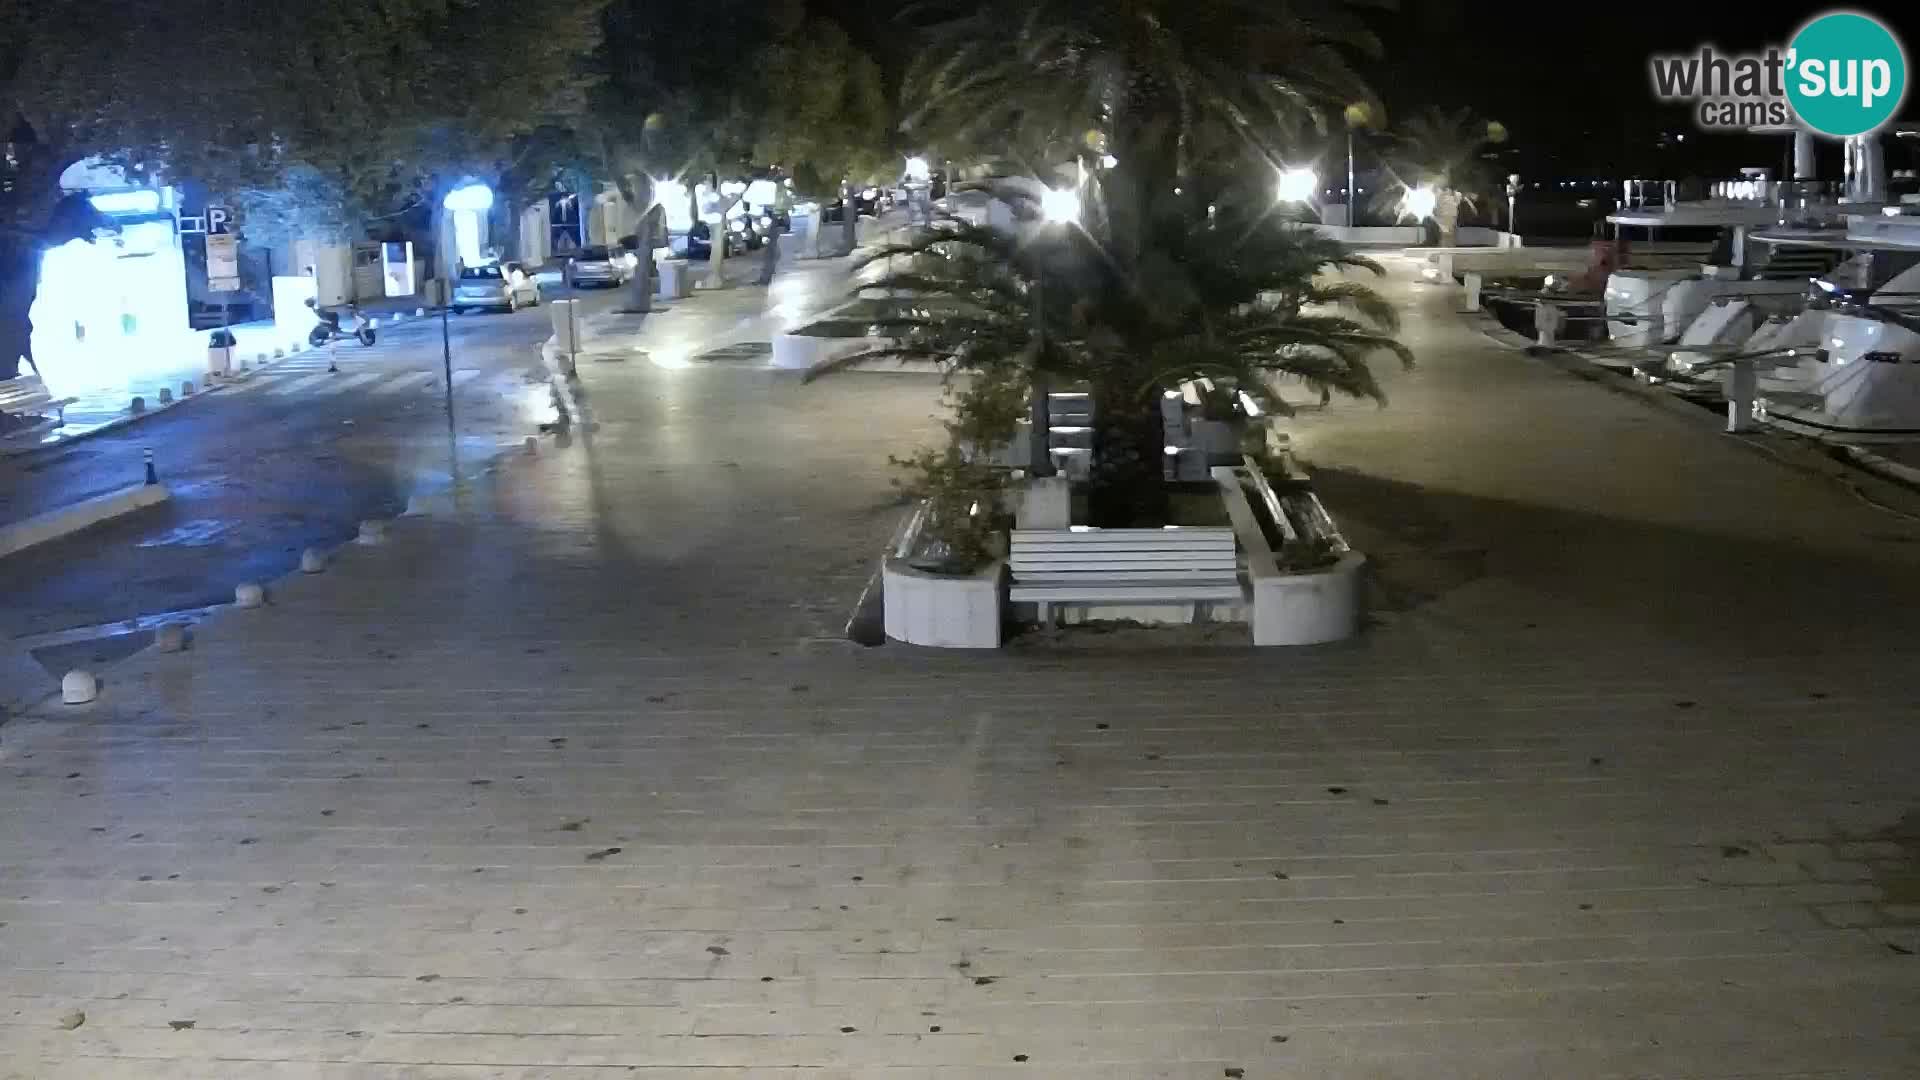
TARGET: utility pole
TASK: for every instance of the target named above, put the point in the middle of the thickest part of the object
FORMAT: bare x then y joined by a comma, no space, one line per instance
446,347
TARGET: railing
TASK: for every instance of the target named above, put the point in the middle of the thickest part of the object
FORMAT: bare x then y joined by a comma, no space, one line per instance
1810,204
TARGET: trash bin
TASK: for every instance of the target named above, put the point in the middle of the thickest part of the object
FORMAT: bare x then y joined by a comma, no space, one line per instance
220,345
672,279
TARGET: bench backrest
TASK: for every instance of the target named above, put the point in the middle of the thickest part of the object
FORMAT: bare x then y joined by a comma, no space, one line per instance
1179,551
23,390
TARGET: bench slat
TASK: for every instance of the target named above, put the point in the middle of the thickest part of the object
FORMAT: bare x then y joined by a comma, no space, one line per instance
1145,570
1094,536
1116,592
1202,543
1053,558
1068,577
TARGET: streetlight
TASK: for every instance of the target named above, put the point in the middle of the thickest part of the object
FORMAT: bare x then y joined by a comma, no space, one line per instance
1419,202
918,169
1060,206
1297,185
1513,189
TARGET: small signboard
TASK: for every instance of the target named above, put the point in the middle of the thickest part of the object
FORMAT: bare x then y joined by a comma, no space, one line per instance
223,251
566,231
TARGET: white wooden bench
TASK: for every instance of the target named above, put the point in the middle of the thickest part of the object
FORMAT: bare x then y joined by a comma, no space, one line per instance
1193,565
29,395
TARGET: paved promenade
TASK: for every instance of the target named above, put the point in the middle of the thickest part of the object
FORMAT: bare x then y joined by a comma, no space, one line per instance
578,781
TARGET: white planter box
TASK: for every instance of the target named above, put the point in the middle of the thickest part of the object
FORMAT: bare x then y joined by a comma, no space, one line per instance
1309,608
1293,608
944,611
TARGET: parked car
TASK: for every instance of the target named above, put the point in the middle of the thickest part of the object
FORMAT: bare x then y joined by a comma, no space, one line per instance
602,266
742,237
869,202
504,285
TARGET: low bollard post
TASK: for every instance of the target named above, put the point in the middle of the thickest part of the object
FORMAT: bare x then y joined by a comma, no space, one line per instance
1742,383
1547,321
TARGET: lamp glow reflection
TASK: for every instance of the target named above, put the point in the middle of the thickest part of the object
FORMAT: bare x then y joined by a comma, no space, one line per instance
918,169
1298,185
1060,206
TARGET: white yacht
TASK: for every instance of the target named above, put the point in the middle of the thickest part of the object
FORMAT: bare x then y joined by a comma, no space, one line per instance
1808,316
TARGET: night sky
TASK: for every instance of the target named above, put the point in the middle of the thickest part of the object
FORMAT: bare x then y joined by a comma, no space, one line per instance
1570,79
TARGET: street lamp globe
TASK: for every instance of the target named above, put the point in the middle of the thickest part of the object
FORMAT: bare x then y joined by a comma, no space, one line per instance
1419,202
1060,205
476,197
1298,185
918,169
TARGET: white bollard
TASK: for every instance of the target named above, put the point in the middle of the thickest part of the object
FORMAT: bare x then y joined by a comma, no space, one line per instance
532,445
166,395
1547,320
419,313
79,687
1742,383
171,638
1473,290
186,388
137,406
568,335
312,561
371,533
248,595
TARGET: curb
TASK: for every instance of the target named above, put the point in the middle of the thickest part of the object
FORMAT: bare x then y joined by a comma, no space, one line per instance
209,384
85,514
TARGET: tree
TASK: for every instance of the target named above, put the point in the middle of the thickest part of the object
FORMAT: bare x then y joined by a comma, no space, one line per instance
1249,311
819,111
1168,107
1196,76
319,114
1441,150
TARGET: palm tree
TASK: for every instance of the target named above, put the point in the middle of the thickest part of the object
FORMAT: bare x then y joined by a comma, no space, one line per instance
1191,75
1269,304
1176,266
1443,151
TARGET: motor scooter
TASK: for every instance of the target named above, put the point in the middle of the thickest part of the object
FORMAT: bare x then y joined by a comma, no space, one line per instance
328,329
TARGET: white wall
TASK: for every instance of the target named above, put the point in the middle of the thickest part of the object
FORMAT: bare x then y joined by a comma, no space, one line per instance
609,219
535,238
332,269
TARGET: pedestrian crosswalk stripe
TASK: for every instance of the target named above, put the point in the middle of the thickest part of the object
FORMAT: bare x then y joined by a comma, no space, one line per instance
353,382
411,380
299,385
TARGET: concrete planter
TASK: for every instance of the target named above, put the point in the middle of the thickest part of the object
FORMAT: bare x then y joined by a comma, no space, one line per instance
1218,440
945,611
800,352
1308,608
1305,607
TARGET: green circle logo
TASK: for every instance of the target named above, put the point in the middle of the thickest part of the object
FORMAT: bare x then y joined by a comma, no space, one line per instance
1846,74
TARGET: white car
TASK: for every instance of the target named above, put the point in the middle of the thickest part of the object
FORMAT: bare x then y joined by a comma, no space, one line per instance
506,286
602,266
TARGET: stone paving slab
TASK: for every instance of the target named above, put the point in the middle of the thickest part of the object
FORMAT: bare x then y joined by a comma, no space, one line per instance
578,782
